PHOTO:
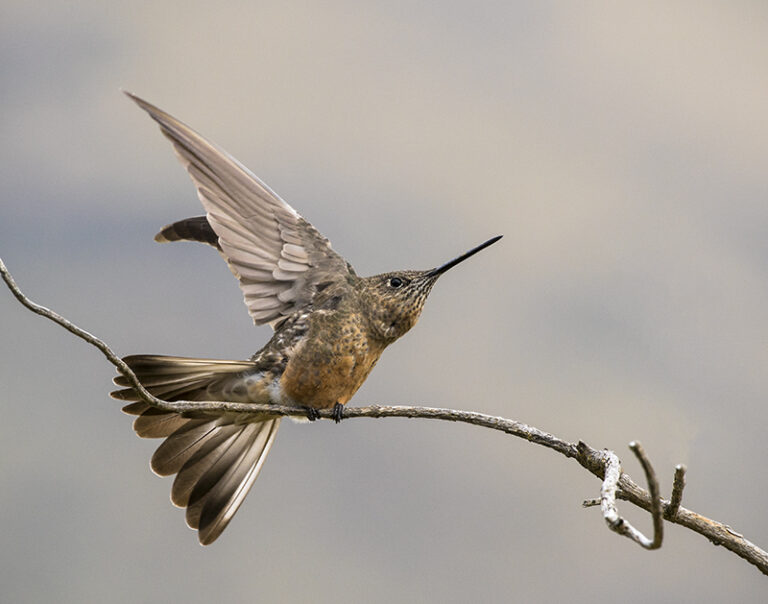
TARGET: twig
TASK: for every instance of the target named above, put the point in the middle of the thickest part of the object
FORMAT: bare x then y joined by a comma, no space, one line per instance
608,495
608,501
676,499
600,463
653,487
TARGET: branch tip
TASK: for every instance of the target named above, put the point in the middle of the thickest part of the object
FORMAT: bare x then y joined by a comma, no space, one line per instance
678,484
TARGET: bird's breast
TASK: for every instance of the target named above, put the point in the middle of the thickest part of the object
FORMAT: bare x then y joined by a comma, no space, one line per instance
330,363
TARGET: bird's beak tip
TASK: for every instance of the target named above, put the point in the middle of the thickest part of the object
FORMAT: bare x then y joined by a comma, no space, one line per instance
436,272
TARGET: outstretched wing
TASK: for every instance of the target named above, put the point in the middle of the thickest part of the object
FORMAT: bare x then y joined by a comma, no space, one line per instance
280,259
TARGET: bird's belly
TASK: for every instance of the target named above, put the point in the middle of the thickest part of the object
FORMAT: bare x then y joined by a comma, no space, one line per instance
321,376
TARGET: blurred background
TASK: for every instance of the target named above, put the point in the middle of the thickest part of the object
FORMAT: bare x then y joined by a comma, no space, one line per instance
620,150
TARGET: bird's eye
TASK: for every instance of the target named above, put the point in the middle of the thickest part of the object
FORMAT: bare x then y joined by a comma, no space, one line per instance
395,282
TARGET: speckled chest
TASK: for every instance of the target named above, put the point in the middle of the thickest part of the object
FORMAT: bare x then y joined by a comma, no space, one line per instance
331,361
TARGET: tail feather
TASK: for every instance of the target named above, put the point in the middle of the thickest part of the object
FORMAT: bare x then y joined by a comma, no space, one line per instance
216,458
219,503
201,461
187,439
230,463
136,408
172,378
192,389
158,424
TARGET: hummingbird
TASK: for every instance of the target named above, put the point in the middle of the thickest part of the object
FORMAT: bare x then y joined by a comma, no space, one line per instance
330,328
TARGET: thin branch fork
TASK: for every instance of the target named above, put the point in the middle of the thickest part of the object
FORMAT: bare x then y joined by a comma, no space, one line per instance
610,491
608,494
603,464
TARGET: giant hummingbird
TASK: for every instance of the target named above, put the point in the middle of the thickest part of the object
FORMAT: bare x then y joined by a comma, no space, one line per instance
330,328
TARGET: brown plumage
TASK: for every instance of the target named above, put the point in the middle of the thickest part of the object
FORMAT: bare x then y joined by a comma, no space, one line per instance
331,327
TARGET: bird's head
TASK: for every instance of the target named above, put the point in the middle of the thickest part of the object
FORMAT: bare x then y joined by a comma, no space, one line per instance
394,300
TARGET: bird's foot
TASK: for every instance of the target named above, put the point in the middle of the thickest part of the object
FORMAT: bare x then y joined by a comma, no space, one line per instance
312,414
338,412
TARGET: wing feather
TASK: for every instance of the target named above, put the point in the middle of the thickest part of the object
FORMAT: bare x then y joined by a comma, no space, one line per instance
269,247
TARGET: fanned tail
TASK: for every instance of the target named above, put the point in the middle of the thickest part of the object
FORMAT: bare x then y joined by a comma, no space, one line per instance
216,458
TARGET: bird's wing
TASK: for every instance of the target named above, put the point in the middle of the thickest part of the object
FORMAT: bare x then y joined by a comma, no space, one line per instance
280,259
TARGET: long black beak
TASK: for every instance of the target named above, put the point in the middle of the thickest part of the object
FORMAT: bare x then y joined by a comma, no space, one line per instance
448,265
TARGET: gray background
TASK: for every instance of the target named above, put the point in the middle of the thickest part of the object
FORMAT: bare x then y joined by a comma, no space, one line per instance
622,153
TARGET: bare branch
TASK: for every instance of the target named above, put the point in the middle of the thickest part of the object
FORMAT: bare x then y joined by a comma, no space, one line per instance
603,464
717,532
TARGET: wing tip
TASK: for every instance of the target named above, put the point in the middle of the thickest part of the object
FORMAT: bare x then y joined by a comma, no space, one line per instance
134,97
155,113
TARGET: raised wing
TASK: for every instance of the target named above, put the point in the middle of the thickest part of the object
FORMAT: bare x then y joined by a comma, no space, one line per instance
279,258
